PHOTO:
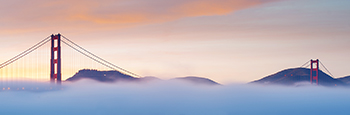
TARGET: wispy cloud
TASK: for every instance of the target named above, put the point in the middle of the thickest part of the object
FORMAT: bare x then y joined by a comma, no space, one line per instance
34,14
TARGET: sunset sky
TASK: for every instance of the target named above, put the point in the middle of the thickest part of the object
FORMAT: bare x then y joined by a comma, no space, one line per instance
228,41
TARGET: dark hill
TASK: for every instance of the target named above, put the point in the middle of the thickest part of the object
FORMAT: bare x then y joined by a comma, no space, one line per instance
102,76
345,79
149,79
114,76
197,80
295,75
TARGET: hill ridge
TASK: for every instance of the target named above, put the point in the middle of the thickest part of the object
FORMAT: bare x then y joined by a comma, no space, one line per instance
115,76
291,76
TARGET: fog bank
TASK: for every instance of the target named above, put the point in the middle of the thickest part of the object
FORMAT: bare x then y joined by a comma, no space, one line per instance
176,98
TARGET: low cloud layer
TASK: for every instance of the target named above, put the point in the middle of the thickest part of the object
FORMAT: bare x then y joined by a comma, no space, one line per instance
176,98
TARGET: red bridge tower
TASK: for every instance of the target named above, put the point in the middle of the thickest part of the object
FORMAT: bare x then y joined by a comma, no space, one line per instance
314,71
55,73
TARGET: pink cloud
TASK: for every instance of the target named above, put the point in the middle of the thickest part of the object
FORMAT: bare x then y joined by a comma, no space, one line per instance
26,15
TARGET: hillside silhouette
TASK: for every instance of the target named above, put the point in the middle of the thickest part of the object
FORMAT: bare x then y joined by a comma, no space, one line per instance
102,76
296,75
115,76
197,80
345,79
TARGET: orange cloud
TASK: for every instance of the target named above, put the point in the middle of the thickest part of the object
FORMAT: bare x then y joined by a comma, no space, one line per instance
213,7
36,14
110,19
149,13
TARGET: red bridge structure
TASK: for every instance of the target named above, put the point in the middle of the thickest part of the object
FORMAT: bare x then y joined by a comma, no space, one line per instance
314,65
314,71
16,68
55,63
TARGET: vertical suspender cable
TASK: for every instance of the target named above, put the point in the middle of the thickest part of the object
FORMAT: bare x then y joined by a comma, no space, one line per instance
101,58
326,69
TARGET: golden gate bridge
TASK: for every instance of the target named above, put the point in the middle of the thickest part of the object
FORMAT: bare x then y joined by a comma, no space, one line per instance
35,67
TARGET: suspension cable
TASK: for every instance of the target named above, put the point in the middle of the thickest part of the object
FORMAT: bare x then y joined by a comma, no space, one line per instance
326,69
304,64
31,49
88,55
25,51
307,65
100,58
